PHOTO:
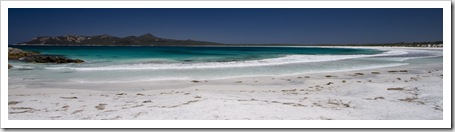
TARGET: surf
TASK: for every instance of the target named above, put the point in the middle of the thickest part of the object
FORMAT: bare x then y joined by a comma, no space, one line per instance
288,59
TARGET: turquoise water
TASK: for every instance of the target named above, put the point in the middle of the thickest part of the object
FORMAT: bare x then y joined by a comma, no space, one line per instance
187,54
130,64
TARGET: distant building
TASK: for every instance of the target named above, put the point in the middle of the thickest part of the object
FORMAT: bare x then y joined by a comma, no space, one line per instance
437,45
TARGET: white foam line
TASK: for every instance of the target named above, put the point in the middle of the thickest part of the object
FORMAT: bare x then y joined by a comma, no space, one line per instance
240,76
290,59
410,58
326,71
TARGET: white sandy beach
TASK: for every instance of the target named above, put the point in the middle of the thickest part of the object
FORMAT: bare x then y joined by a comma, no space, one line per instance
411,92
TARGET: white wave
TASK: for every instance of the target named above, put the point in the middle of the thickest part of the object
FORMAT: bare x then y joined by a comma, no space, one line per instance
410,58
187,77
290,59
22,67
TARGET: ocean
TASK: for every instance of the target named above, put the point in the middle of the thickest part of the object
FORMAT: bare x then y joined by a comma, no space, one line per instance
111,64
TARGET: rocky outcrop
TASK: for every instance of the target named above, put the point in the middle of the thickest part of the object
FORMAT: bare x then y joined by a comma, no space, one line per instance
15,53
50,59
33,57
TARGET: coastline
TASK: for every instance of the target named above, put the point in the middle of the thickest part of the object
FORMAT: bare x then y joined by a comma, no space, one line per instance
349,95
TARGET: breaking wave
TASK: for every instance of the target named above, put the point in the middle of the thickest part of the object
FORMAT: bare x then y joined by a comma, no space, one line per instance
289,59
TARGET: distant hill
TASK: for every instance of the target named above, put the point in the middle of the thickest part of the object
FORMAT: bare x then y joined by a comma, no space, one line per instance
150,40
108,40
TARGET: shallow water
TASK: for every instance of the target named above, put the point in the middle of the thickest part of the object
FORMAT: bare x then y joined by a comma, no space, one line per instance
131,64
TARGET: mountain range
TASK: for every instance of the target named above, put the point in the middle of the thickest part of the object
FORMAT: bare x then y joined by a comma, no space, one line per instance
108,40
151,40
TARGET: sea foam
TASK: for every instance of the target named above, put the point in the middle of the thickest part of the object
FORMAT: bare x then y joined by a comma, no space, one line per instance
289,59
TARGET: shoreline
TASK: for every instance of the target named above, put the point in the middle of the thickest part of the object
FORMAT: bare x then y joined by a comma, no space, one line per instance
229,45
171,83
372,94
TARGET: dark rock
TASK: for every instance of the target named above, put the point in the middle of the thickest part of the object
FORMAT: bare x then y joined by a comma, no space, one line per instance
78,61
34,57
68,97
13,102
50,59
121,94
15,53
10,66
24,69
400,89
147,101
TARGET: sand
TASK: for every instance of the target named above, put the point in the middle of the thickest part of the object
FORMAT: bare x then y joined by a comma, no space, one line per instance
410,92
394,93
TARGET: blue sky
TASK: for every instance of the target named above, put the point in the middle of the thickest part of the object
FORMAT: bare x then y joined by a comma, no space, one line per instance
235,25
